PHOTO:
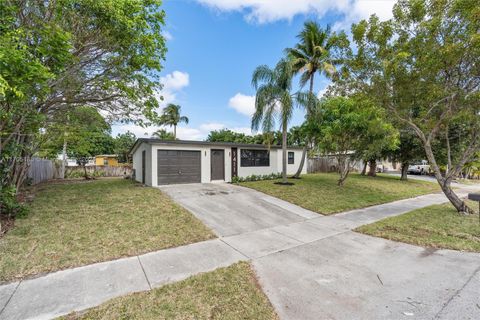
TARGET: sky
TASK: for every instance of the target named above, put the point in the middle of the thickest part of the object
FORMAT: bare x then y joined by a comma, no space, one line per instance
215,45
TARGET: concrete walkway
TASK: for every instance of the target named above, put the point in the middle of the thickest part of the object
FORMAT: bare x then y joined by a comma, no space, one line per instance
311,266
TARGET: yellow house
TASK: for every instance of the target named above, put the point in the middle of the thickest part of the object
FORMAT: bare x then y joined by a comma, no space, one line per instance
106,160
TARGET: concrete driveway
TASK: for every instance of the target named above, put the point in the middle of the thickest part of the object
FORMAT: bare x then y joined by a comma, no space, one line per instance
229,209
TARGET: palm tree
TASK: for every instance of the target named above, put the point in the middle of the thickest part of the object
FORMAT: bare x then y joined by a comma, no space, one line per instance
171,117
162,134
274,101
314,53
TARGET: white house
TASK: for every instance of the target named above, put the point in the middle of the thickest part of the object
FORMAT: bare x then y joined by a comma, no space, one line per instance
157,162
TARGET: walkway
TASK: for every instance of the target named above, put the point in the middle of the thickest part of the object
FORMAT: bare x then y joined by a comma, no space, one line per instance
311,267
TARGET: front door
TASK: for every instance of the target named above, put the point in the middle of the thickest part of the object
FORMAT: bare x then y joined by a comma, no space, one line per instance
217,164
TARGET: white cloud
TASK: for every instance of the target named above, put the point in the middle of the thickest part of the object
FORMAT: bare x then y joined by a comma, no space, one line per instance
173,83
212,126
265,11
243,104
167,35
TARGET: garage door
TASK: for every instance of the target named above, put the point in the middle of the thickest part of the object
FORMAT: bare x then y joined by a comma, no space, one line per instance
178,166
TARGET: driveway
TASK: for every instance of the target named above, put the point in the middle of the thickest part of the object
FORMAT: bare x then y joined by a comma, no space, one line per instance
229,209
314,267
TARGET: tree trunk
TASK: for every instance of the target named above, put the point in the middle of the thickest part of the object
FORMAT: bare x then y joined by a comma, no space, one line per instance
449,152
85,174
305,148
404,169
364,170
444,183
284,152
174,132
372,172
64,158
302,163
343,168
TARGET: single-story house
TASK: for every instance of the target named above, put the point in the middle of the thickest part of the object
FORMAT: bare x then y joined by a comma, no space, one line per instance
106,160
157,162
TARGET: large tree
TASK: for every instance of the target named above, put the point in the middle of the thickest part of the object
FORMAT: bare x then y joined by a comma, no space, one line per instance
423,67
123,143
352,126
318,51
171,117
275,101
57,55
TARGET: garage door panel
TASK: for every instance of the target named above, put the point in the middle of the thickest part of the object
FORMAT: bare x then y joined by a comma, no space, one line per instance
179,166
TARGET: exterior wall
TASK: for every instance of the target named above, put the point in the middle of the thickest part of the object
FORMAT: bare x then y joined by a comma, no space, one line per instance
291,168
275,164
99,161
137,163
205,160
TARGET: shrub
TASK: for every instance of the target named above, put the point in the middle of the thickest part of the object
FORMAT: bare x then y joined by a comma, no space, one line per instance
254,177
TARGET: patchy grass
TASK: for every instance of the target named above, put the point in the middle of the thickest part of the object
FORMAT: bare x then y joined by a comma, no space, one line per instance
78,223
320,193
437,226
226,293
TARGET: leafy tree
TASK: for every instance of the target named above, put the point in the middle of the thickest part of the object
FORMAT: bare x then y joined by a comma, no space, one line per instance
171,117
83,132
274,100
162,134
349,125
226,135
58,55
123,143
422,66
316,52
409,149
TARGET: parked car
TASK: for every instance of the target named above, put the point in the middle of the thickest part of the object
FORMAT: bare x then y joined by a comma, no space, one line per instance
419,167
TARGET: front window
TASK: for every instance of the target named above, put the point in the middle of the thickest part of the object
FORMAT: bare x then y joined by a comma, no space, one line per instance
105,162
254,158
291,157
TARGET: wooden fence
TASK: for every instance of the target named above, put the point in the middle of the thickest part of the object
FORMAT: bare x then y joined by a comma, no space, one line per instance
42,170
328,164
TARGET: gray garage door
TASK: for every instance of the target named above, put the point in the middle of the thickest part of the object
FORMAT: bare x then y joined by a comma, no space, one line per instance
178,166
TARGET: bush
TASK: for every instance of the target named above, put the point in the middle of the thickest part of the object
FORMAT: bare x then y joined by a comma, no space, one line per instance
9,204
254,177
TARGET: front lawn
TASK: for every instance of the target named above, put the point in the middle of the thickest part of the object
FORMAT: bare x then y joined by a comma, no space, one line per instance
320,193
437,226
82,222
226,293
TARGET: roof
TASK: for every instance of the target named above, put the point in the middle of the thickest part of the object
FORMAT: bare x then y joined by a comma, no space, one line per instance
203,143
107,155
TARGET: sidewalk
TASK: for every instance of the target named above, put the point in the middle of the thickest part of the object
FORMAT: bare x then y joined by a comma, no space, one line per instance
76,289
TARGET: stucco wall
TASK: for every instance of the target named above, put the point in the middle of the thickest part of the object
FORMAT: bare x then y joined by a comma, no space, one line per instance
275,164
137,163
291,168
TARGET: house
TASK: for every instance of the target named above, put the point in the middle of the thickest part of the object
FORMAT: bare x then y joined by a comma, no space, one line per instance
158,162
106,160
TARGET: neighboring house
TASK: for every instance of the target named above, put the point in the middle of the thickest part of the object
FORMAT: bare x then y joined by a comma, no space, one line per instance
106,160
158,162
72,162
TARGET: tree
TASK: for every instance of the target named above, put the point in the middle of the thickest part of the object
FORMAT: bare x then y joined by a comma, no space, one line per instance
162,134
316,51
83,130
274,100
171,117
123,143
408,150
346,129
422,66
58,55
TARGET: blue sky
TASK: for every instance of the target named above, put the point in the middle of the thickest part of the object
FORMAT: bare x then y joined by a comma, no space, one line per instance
214,46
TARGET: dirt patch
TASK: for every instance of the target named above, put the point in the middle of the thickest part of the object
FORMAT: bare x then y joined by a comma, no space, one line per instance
6,223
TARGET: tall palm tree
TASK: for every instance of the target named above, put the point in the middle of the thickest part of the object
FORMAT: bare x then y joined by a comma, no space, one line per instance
274,101
171,117
314,53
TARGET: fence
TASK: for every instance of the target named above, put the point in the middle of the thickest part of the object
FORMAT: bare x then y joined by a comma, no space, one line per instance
99,171
328,164
42,170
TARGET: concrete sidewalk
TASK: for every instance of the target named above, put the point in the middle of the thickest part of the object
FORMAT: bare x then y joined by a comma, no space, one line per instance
286,249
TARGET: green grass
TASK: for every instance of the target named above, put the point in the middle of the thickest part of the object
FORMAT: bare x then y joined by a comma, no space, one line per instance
437,226
320,193
226,293
79,223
